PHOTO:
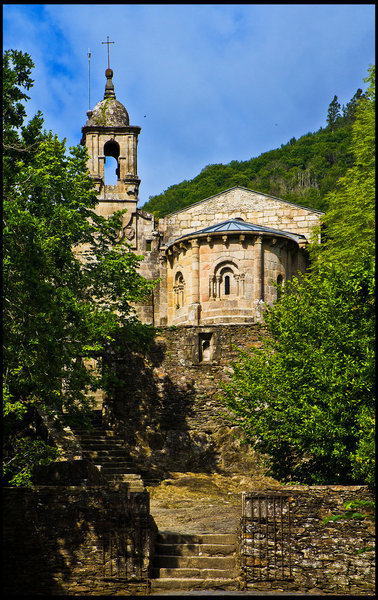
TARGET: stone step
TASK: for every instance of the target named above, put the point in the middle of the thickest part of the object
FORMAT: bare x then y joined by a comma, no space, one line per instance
129,475
104,452
87,437
133,478
110,456
193,584
115,469
109,462
184,573
168,537
194,549
132,486
101,444
194,562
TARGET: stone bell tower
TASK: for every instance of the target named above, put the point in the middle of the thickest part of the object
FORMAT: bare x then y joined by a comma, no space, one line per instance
108,133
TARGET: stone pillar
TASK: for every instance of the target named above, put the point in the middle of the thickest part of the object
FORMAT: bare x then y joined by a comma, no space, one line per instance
161,308
194,308
259,269
242,280
237,279
211,287
195,272
259,278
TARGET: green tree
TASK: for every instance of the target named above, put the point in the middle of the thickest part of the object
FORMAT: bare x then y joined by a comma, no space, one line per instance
300,398
61,307
349,110
349,223
333,113
306,398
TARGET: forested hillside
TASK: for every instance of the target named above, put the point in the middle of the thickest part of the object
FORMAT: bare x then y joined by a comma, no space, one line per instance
302,171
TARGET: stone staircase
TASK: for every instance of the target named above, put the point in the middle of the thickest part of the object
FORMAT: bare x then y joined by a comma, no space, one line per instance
108,454
194,562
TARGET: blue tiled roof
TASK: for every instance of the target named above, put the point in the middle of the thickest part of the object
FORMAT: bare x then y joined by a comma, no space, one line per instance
240,226
236,225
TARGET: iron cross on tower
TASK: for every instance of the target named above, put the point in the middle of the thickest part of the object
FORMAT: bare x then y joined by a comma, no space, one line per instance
107,42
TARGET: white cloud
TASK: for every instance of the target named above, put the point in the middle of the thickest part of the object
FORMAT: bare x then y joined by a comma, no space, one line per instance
216,82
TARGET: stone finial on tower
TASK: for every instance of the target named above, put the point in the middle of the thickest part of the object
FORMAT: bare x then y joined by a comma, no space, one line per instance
109,86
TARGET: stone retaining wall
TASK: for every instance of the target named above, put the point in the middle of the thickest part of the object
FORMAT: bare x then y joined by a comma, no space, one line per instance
75,541
168,410
325,558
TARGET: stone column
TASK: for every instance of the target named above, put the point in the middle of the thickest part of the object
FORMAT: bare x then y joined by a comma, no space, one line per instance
195,272
259,269
211,288
161,307
237,279
242,279
194,309
259,278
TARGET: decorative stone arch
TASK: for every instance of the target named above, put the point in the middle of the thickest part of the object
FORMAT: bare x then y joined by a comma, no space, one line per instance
111,149
226,281
179,288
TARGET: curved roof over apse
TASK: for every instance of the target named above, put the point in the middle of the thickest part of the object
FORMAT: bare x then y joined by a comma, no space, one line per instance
239,226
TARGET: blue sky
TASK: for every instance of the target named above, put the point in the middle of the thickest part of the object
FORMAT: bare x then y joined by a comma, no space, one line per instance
208,83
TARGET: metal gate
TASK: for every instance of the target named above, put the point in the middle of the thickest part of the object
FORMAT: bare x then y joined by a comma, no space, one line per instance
266,543
122,551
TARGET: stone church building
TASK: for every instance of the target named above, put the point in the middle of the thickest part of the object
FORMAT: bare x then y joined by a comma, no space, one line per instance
217,260
87,527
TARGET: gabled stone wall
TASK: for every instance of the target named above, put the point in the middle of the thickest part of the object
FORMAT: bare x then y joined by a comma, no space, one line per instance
253,207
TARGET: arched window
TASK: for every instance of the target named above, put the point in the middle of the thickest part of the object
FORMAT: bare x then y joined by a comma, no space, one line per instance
110,171
226,285
179,289
226,282
111,167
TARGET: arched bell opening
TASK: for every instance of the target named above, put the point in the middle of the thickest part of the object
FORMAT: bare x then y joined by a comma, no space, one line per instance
111,167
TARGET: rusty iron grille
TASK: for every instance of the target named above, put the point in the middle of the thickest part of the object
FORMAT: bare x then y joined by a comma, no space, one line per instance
266,543
122,554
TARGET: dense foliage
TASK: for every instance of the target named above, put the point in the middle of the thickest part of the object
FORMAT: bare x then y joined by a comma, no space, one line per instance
301,398
60,310
302,171
306,398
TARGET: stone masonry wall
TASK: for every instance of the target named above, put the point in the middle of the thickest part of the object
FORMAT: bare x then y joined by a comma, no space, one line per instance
168,409
75,541
325,558
251,206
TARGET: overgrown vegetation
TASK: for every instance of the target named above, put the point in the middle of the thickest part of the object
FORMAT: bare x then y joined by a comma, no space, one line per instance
302,171
307,397
59,310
